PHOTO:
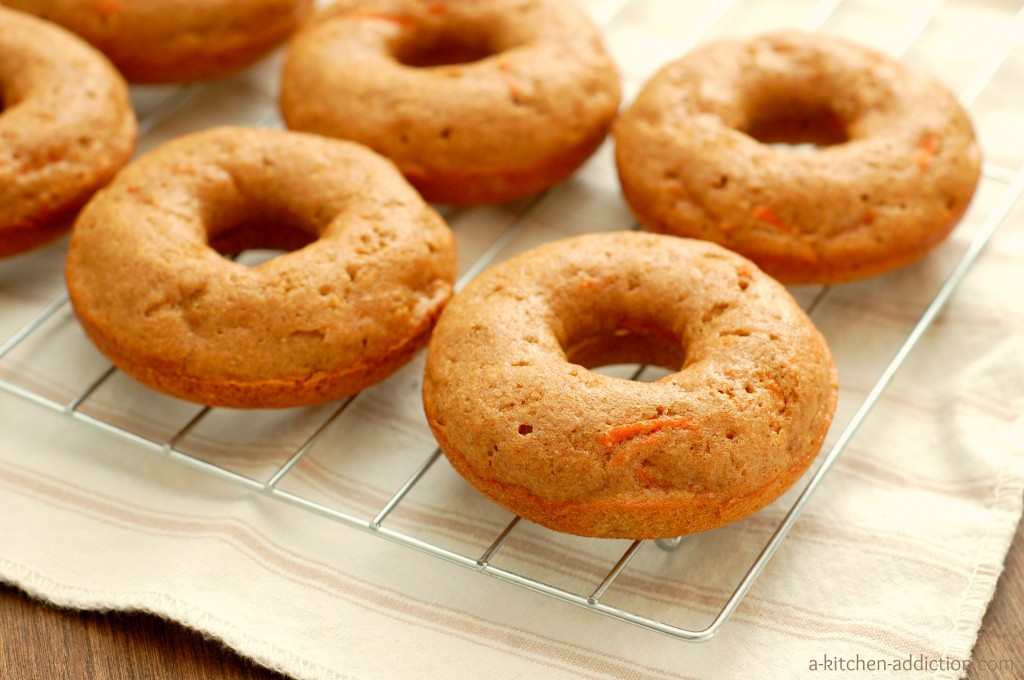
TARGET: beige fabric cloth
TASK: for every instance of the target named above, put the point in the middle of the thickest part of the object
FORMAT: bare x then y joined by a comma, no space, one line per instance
894,560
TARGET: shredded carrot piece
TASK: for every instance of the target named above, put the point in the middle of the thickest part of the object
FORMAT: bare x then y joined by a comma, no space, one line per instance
437,9
926,151
644,476
869,217
675,188
512,81
644,428
514,89
774,388
399,19
107,7
766,214
650,117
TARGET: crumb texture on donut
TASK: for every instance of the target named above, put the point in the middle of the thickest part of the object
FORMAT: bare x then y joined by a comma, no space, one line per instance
173,41
66,126
510,397
896,167
371,268
476,101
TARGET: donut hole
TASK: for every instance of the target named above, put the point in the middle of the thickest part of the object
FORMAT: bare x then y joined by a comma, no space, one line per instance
798,125
254,240
626,343
448,44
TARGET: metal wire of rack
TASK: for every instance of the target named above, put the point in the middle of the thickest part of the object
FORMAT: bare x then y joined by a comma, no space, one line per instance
1010,180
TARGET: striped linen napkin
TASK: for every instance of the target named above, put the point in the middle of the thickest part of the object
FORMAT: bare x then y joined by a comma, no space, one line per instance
886,574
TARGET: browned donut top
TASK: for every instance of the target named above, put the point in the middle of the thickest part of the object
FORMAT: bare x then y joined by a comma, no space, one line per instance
509,395
66,126
458,88
901,170
145,281
174,40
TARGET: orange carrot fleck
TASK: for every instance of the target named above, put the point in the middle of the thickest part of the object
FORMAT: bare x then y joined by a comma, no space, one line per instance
869,217
512,82
651,117
514,89
437,9
399,19
646,478
644,428
926,151
107,7
766,214
675,188
774,388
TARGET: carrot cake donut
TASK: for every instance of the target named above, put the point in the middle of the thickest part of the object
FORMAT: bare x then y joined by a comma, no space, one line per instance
896,166
66,126
510,397
476,101
371,265
169,41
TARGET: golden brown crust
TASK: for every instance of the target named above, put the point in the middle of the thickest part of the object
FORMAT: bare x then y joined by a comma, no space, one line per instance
319,323
66,126
513,406
884,197
534,100
166,41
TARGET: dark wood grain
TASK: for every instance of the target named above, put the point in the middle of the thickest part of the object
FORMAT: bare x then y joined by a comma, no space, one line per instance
40,641
999,652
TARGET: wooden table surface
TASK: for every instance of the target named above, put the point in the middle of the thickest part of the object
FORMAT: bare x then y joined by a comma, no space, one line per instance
40,641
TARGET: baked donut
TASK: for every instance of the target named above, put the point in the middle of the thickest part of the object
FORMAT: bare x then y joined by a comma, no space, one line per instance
371,267
171,41
66,126
897,165
476,101
509,396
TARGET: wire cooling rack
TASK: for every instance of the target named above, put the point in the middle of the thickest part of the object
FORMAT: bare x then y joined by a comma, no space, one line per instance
629,25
